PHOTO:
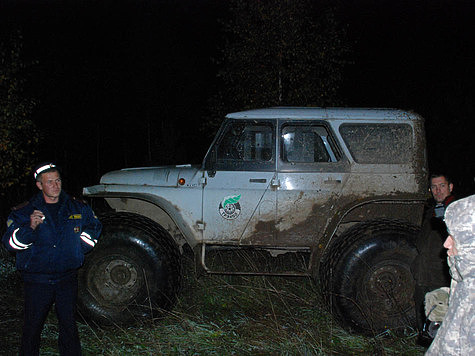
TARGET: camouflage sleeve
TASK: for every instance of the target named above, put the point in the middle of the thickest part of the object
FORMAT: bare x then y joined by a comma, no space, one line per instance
456,336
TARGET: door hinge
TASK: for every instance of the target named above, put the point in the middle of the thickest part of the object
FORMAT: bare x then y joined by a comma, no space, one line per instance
275,182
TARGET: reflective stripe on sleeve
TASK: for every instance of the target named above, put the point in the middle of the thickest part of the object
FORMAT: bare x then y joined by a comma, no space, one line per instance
87,239
14,243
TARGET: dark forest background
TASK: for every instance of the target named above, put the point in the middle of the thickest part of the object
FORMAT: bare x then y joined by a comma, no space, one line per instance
133,83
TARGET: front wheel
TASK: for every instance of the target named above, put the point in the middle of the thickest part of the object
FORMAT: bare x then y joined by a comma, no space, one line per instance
132,273
367,277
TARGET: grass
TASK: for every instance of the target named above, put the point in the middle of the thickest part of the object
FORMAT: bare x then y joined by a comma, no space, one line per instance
215,315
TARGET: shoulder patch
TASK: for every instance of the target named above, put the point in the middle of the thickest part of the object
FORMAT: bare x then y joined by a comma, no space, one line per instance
9,222
22,205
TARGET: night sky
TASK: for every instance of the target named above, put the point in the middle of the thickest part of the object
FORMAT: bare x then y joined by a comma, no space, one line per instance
109,72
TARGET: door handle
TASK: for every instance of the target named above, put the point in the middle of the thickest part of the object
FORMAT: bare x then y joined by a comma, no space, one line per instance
332,181
258,180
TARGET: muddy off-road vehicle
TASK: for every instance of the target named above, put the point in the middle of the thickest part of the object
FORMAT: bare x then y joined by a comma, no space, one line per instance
343,187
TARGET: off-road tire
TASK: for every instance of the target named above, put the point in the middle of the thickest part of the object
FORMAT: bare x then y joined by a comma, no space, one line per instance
134,272
366,276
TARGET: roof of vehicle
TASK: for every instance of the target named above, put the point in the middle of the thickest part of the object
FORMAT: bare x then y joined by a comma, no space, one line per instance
325,113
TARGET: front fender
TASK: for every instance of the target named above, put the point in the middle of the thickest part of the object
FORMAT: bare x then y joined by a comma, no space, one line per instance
157,208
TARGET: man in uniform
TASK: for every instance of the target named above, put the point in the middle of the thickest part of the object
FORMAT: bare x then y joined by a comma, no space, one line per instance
430,268
50,235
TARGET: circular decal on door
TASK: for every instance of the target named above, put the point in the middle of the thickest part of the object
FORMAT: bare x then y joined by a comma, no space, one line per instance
230,208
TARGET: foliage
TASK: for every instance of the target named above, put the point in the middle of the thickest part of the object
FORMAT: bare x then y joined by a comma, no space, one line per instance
19,135
280,52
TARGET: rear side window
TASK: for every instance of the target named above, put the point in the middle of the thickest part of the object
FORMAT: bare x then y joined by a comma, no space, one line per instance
378,143
307,144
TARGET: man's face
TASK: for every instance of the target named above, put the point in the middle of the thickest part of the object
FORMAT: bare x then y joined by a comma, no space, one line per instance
440,188
50,185
449,244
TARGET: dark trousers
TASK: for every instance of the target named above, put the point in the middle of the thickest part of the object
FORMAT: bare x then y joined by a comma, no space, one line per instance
39,297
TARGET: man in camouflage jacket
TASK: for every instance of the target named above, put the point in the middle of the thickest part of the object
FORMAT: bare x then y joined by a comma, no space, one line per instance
456,336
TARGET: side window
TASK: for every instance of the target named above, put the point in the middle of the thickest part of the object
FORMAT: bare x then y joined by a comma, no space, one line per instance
378,143
246,145
307,144
257,143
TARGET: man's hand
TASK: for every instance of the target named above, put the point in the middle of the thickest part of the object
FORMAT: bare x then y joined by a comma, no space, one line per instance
36,218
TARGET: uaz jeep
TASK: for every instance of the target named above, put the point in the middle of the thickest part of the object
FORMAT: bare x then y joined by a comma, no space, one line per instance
346,187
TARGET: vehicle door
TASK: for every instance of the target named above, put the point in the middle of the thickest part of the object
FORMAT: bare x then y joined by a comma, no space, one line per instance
311,173
238,202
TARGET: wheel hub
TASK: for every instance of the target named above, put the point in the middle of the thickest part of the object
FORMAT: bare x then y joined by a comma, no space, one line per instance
384,280
121,274
387,285
115,282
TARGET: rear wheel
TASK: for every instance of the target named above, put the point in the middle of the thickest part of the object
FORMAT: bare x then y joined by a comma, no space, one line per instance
367,278
133,272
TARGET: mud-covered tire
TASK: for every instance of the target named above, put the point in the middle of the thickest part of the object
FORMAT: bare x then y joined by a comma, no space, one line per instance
366,277
134,272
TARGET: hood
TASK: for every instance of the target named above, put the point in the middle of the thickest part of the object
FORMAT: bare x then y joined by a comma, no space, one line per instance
152,176
460,221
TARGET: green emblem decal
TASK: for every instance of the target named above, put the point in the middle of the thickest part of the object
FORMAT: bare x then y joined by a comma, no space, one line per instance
230,208
231,200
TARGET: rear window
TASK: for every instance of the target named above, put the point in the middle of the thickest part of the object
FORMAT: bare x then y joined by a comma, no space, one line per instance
378,143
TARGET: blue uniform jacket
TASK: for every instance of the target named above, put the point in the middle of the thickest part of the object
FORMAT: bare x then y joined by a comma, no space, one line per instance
53,249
